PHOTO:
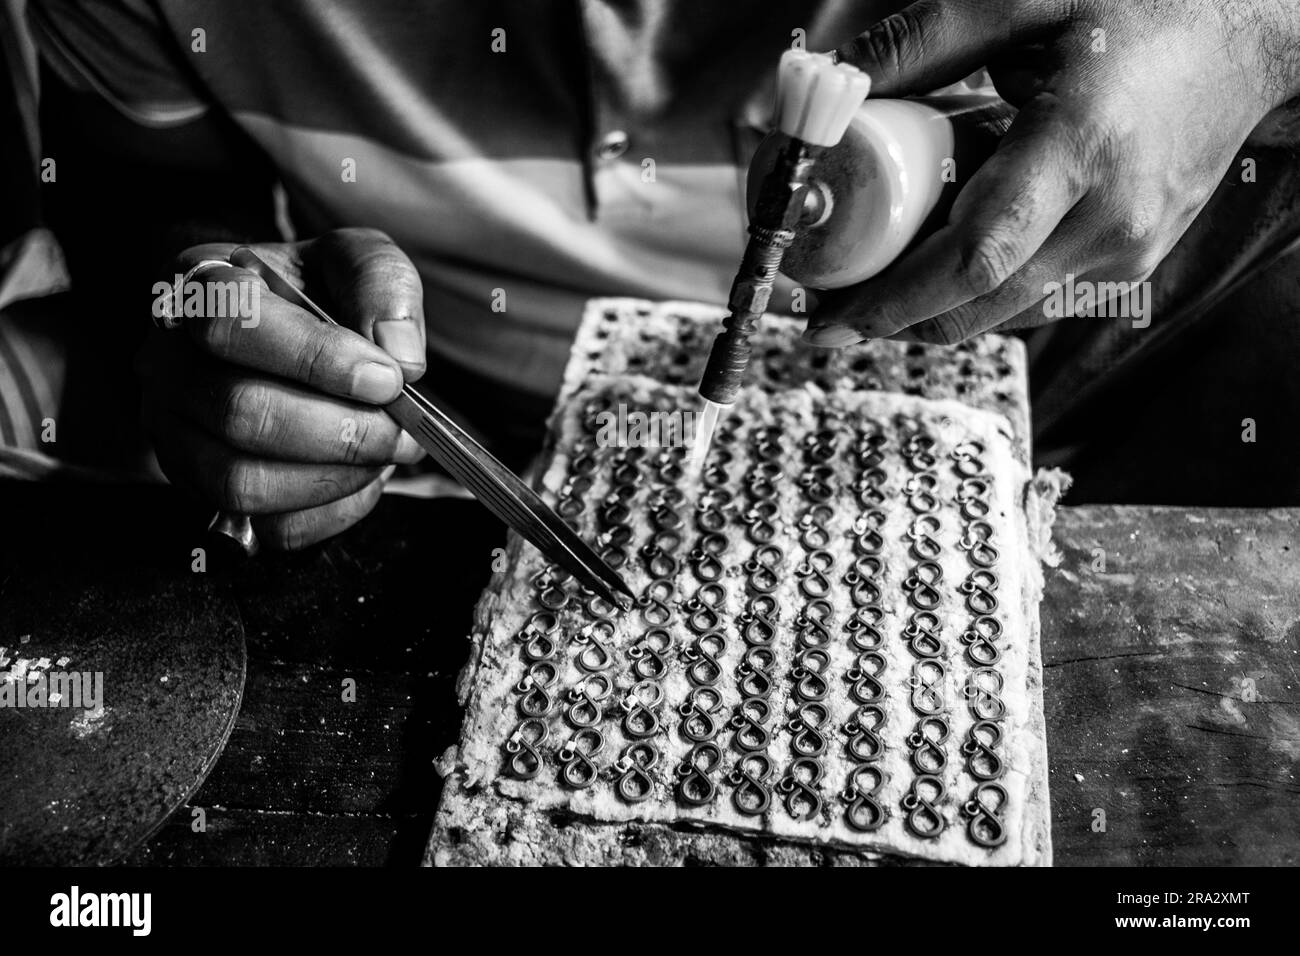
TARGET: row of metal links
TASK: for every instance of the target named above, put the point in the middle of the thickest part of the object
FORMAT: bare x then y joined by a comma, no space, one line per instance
700,716
650,658
865,746
987,802
924,637
752,720
540,639
593,654
564,609
809,717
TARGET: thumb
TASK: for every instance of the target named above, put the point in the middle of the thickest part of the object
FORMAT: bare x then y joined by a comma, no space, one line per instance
931,43
375,289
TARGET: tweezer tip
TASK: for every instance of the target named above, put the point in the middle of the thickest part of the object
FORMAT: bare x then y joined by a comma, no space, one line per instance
623,597
612,589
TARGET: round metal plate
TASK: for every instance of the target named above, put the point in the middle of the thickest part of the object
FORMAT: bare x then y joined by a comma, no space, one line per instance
84,782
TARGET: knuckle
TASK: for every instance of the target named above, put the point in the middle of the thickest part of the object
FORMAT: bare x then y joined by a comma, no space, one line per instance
881,47
293,533
245,487
1071,161
387,263
356,445
330,488
361,246
987,262
1105,141
946,329
1083,135
215,335
1133,230
315,358
246,417
363,234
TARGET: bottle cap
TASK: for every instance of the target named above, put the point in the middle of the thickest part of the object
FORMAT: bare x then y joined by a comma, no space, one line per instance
816,97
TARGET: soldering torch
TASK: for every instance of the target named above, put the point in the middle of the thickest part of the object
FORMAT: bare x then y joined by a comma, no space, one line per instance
838,191
816,99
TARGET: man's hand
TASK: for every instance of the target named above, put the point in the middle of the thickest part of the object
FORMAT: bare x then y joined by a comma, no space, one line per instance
1130,115
278,416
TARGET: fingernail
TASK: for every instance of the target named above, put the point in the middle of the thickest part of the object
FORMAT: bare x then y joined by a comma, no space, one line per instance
400,339
832,336
376,383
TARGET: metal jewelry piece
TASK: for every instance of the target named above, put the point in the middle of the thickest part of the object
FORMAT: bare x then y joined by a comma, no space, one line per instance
525,760
802,801
920,803
983,812
751,795
578,768
864,812
695,787
632,771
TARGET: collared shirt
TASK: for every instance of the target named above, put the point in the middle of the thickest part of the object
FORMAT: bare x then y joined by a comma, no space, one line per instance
526,156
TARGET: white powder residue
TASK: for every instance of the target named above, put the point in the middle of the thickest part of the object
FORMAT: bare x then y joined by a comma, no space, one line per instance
88,722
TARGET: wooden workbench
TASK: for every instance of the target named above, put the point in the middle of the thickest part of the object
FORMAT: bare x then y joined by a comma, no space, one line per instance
1171,640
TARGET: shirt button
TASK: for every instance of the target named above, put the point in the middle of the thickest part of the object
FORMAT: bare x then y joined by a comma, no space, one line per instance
612,145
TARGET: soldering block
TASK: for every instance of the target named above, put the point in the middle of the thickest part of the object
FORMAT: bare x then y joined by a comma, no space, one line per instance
857,512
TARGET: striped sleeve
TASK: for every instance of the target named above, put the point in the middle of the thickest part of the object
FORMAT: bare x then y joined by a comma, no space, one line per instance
31,384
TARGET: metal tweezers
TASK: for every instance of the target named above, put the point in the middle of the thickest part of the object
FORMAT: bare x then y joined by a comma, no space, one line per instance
495,486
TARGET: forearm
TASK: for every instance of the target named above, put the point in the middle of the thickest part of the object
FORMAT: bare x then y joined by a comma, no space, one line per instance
1279,29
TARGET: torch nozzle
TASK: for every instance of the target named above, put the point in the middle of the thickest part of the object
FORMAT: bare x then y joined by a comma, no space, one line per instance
724,372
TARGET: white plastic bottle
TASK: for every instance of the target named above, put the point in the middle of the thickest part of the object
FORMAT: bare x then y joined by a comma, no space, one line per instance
891,179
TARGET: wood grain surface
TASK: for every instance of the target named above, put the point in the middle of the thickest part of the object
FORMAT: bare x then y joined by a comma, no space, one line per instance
1173,686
